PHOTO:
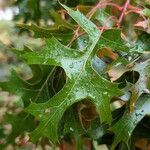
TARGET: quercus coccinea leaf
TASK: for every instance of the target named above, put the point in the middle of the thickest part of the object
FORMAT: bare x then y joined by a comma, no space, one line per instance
61,28
141,86
36,88
68,94
38,91
124,127
82,81
142,83
59,32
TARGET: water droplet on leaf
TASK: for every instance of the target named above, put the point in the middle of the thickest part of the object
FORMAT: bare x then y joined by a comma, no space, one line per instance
47,110
105,93
71,129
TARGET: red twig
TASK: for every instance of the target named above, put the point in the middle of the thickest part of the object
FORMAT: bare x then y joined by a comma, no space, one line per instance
125,7
102,4
93,10
103,28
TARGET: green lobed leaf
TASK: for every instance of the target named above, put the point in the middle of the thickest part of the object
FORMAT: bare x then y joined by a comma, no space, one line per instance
36,88
61,29
124,127
141,85
59,21
82,81
41,32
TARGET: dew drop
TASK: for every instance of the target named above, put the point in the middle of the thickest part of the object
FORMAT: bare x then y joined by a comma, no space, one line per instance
88,90
129,133
45,62
75,54
105,93
40,115
47,110
146,91
129,58
136,114
135,122
85,41
71,129
109,95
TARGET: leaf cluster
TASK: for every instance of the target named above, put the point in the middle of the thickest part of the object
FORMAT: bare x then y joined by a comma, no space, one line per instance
90,80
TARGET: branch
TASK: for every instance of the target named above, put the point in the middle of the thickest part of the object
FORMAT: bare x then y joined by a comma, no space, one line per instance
123,12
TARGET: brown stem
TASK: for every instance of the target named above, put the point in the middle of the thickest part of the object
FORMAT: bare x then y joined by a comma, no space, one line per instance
74,38
93,10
